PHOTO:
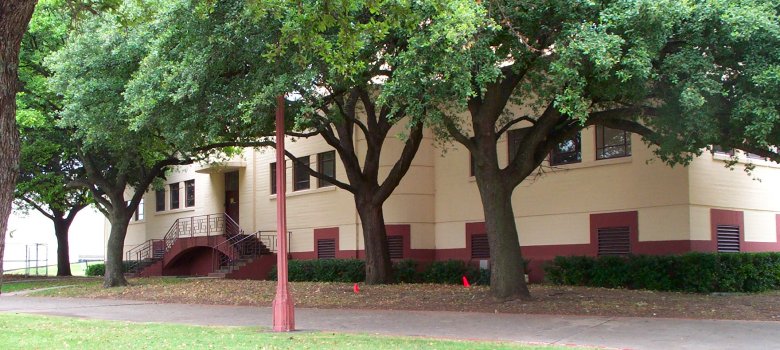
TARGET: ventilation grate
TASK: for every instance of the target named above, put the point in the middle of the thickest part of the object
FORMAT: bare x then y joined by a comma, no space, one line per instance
728,238
614,241
396,246
479,247
326,248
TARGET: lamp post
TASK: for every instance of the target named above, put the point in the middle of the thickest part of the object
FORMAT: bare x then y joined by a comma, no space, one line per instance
284,314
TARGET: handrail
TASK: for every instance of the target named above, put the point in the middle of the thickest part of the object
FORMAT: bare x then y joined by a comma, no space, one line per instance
144,254
202,225
265,242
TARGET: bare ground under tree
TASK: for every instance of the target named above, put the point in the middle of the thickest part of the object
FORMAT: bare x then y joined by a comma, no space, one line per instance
547,299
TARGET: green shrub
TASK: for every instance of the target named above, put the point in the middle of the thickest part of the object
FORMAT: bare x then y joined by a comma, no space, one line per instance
446,272
95,270
692,272
406,271
325,270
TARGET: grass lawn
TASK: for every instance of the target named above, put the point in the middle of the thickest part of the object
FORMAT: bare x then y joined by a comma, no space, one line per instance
43,332
15,285
76,269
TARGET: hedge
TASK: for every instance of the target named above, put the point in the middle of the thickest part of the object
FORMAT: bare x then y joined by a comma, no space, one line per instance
405,271
692,272
99,269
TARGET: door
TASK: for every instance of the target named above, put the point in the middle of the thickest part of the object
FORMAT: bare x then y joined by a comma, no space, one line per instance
231,195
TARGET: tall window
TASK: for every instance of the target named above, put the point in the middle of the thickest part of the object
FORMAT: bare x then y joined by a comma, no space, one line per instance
189,193
159,200
568,151
139,213
175,198
300,175
612,143
273,178
326,164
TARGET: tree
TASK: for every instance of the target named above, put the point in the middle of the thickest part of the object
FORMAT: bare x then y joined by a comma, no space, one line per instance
48,158
90,73
679,74
120,153
14,17
339,58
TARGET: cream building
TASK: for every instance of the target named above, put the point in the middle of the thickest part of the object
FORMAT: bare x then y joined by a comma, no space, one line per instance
606,195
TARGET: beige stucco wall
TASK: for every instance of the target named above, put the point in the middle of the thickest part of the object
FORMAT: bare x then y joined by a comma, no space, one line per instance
438,197
555,206
713,185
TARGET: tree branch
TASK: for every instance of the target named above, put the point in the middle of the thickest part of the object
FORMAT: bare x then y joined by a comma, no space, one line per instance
401,166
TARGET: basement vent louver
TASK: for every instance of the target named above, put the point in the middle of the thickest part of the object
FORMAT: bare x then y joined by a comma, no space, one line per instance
728,239
396,246
326,249
479,247
614,241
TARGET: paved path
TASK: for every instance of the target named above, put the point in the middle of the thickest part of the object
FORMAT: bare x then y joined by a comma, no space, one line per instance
612,332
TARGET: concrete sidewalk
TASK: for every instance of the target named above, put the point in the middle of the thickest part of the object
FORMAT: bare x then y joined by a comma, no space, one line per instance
612,332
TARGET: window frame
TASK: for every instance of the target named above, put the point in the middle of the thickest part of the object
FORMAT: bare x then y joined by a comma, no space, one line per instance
321,165
272,168
174,199
139,212
600,144
159,197
577,150
189,193
299,171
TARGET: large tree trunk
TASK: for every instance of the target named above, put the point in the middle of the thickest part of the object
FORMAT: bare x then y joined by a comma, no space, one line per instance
61,228
14,17
379,268
115,275
507,273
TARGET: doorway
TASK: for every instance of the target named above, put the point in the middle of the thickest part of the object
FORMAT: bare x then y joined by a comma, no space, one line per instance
231,195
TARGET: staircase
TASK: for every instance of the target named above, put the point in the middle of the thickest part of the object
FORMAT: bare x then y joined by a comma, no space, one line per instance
233,248
244,248
144,255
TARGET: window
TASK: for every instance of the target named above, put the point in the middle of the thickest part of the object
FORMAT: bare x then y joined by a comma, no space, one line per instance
395,245
273,178
722,150
728,238
567,152
326,248
480,249
513,141
159,198
174,190
614,240
612,143
326,164
301,175
139,212
189,193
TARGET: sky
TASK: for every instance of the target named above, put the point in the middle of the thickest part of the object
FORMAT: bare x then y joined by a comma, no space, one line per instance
86,238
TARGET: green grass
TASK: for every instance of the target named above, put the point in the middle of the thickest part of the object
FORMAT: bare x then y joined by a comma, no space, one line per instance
44,332
18,285
76,269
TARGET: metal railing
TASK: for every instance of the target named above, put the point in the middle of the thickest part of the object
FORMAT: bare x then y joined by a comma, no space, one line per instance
144,255
237,243
204,225
243,246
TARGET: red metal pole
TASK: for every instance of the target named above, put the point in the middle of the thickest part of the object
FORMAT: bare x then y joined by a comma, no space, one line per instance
284,314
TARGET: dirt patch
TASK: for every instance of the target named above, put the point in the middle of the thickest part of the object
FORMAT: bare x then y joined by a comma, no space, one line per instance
547,299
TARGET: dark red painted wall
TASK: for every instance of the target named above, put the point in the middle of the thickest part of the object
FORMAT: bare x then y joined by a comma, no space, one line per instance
257,269
198,261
